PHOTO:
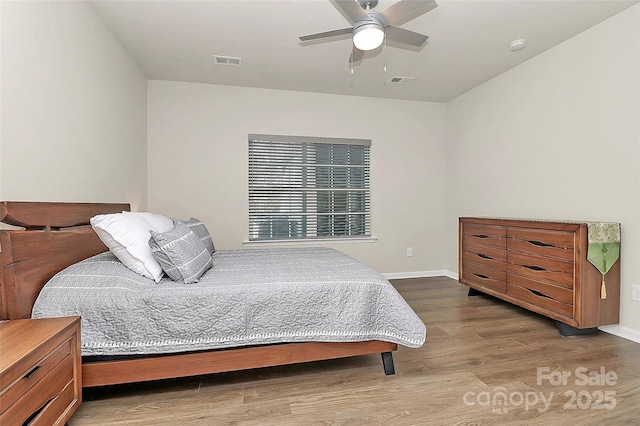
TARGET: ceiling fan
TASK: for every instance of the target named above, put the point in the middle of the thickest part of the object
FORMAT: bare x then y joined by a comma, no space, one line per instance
370,28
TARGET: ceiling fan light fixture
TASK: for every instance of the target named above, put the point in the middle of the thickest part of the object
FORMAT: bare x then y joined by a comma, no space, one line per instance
368,36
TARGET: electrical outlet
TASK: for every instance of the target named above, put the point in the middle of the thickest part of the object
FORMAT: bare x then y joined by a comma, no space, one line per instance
409,252
635,292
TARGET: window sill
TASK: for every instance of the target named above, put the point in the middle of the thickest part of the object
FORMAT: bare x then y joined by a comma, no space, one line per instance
315,241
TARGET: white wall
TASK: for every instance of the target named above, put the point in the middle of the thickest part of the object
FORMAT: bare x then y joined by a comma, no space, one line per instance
558,137
198,149
73,108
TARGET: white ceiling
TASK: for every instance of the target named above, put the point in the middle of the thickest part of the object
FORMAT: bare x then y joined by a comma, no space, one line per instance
468,43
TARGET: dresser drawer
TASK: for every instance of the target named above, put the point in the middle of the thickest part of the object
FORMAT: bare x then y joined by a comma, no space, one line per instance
484,276
40,397
556,244
558,272
539,299
491,236
488,256
561,294
32,375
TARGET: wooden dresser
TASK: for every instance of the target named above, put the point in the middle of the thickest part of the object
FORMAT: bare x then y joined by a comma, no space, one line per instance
40,371
541,266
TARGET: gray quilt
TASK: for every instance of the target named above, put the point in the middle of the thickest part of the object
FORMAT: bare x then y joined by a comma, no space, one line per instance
249,297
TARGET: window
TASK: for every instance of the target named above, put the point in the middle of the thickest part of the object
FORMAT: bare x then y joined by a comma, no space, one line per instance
307,187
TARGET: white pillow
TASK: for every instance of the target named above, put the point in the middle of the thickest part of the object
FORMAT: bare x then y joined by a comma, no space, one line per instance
127,237
157,221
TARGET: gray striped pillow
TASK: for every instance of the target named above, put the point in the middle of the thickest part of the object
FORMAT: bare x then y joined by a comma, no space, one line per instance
180,252
201,231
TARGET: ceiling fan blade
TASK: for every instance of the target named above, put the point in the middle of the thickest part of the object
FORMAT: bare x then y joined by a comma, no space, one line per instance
351,10
356,55
403,36
406,10
326,34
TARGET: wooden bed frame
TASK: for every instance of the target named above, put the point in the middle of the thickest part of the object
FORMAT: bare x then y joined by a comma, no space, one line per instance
57,235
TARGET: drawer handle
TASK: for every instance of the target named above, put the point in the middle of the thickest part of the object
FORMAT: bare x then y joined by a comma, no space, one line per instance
484,256
537,293
534,268
481,236
540,244
33,371
484,277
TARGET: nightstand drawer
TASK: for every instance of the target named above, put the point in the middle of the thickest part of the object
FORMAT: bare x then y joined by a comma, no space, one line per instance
40,397
50,413
33,375
40,371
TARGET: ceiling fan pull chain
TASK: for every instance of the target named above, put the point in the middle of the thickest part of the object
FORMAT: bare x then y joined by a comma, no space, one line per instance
385,52
353,52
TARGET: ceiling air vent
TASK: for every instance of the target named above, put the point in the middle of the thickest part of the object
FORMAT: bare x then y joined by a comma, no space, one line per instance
400,80
227,60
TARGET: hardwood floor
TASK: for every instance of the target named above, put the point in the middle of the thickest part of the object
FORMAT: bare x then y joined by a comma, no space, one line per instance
479,366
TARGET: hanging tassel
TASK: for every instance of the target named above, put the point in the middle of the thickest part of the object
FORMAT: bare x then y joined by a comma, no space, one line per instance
603,289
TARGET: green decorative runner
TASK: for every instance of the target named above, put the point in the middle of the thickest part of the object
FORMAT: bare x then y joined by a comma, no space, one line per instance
604,248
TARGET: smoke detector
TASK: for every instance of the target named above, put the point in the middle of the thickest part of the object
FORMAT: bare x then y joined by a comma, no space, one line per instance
517,44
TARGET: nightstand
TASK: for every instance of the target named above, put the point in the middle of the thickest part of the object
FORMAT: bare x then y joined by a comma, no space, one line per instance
40,371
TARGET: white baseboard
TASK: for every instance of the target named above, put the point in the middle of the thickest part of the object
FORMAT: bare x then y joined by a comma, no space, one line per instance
621,331
452,275
420,274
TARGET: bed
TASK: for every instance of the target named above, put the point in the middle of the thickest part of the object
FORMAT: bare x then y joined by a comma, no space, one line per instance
57,244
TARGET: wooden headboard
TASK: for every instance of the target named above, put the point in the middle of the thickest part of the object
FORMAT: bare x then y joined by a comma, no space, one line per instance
56,235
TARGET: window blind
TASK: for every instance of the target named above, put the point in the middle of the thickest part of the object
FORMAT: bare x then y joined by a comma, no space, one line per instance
307,187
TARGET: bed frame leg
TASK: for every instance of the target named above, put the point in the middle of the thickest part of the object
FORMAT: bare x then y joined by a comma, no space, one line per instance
387,363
